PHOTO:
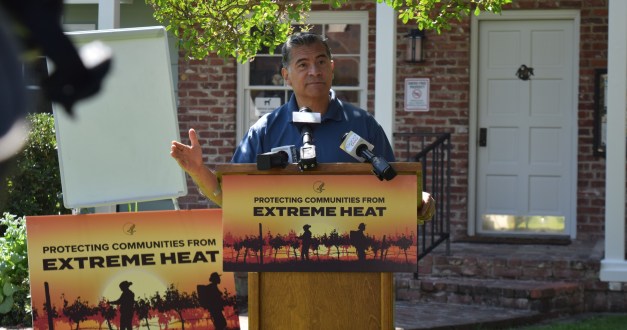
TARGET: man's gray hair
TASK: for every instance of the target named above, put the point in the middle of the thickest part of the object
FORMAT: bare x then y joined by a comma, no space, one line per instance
302,39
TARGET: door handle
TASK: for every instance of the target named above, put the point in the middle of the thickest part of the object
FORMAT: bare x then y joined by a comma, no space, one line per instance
483,137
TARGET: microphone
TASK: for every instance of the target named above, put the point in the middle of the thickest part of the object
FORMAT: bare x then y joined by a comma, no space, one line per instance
360,149
305,118
277,157
292,153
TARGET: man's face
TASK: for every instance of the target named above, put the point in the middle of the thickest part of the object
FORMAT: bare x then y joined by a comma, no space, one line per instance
310,71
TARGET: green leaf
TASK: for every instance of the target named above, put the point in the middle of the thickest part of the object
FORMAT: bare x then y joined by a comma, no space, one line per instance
6,305
225,27
8,289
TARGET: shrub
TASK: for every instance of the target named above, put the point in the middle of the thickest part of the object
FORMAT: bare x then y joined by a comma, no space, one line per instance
15,307
33,187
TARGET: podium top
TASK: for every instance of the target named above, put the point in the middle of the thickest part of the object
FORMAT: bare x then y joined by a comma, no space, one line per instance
322,168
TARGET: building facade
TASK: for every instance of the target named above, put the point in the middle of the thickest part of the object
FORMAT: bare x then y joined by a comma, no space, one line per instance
523,95
467,92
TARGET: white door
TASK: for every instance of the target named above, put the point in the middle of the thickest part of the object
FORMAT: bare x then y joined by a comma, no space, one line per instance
526,130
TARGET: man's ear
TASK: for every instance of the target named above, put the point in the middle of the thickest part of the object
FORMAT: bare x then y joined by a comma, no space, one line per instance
285,75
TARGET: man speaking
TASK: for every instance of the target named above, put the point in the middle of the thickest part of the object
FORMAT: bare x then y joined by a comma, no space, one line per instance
308,68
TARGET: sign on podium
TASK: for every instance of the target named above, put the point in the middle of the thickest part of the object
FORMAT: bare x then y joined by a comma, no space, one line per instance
320,246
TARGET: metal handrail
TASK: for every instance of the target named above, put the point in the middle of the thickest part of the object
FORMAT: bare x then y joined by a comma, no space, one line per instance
433,151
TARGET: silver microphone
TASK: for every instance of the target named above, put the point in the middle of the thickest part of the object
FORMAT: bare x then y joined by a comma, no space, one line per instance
304,119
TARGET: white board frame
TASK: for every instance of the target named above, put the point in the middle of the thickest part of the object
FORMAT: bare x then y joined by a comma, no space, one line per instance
115,149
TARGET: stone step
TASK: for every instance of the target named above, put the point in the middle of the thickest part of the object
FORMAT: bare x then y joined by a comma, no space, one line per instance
546,297
537,267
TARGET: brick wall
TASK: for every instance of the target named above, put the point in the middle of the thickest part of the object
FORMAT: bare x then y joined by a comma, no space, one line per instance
207,102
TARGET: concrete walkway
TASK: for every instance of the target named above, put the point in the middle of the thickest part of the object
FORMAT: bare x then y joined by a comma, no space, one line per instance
418,316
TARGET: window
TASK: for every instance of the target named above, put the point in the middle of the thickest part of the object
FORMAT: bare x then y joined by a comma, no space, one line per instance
261,88
34,72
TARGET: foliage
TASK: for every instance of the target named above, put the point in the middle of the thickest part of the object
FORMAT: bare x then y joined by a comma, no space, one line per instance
335,244
106,312
241,28
176,301
14,298
142,307
34,186
160,307
78,311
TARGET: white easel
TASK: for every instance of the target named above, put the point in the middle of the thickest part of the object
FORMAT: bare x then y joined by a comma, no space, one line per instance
115,149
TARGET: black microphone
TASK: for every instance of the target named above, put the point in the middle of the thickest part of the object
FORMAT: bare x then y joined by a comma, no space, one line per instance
277,157
305,118
360,149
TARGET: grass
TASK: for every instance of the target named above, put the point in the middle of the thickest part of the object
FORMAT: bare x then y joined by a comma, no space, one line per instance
593,322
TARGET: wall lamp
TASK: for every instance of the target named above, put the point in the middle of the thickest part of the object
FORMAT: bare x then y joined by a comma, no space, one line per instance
414,52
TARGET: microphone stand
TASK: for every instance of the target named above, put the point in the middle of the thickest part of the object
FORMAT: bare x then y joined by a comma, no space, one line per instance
307,159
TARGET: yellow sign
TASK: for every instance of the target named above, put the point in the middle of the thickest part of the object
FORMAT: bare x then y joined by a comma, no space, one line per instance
140,270
319,223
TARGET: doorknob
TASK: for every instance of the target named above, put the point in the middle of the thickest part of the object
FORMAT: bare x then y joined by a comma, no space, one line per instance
483,137
524,72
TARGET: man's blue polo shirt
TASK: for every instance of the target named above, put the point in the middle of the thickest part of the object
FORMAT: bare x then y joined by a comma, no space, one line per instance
276,129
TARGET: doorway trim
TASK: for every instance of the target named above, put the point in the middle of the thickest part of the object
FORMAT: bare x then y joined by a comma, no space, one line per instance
560,14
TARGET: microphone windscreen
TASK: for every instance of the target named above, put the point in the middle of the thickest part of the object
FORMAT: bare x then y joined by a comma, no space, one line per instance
292,152
351,143
306,117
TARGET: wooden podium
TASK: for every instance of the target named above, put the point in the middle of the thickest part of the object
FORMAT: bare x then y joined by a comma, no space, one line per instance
320,300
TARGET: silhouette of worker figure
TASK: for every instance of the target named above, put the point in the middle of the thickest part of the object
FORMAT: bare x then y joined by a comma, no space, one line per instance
305,242
212,298
127,305
358,240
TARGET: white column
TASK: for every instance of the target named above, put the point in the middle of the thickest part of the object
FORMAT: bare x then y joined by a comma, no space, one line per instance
614,266
385,69
108,14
